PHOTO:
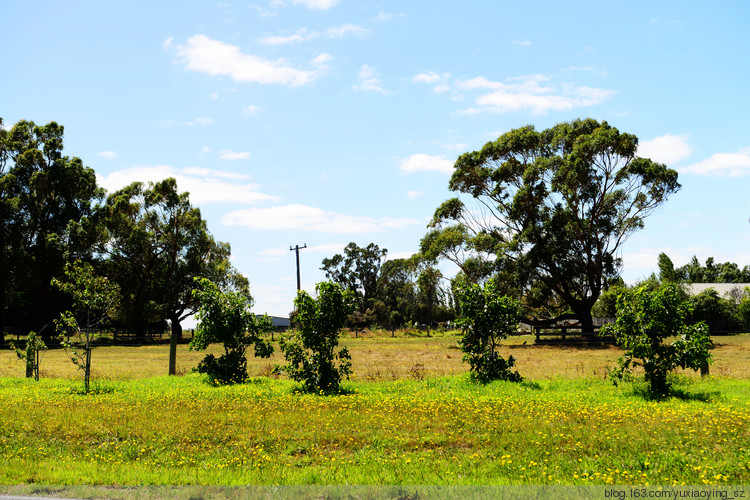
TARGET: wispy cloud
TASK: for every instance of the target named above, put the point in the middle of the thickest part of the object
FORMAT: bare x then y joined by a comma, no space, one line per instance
307,218
426,163
368,80
304,35
385,16
438,81
204,55
731,164
521,43
251,110
278,253
228,154
534,93
310,4
666,149
316,4
108,155
204,185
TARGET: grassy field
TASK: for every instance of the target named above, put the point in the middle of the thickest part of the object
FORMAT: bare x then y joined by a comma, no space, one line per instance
377,356
410,416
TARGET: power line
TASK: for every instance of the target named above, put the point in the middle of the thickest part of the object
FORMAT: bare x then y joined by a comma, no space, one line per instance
296,250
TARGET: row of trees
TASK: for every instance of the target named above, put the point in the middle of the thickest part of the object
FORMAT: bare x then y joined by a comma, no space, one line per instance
708,306
710,272
390,293
146,239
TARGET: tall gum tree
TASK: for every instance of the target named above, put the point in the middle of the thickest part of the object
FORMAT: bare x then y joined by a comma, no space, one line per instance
554,207
158,245
47,202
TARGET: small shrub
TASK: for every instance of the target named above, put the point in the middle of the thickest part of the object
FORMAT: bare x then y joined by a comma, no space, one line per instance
226,317
310,352
486,317
645,319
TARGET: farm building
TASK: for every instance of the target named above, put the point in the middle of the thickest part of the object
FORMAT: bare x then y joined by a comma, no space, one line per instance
725,290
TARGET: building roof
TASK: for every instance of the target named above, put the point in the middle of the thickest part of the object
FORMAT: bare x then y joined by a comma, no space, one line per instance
724,289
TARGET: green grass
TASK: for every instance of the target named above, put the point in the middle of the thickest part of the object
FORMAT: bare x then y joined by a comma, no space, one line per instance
410,416
442,430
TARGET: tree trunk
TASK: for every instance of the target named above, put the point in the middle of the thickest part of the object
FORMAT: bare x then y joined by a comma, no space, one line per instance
174,337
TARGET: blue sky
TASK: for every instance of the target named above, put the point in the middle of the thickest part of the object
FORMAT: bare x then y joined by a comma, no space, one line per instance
322,122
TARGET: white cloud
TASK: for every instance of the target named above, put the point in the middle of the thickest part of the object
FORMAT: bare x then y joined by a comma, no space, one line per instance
399,255
666,148
316,4
321,61
204,55
228,154
307,218
200,121
108,155
251,110
369,80
207,172
278,253
414,194
204,185
731,164
214,96
273,253
424,163
531,93
300,35
303,35
430,77
345,29
521,43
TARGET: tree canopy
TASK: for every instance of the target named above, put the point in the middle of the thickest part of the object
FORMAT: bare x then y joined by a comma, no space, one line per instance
553,209
46,205
357,270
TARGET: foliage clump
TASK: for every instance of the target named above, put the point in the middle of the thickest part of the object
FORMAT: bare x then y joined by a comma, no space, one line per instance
310,352
30,353
486,317
645,320
225,317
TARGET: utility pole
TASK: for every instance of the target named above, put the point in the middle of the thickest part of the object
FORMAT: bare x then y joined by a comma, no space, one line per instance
296,250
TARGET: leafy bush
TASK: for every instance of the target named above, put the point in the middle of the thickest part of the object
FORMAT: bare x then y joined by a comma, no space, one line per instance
226,317
645,320
486,317
709,307
310,351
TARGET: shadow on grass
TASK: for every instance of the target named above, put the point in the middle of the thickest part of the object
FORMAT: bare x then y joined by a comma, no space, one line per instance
341,391
643,391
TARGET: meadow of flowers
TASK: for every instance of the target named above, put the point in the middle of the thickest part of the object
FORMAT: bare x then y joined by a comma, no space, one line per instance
436,430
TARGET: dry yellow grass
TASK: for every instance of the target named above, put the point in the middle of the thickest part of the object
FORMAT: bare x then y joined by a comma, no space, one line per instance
377,356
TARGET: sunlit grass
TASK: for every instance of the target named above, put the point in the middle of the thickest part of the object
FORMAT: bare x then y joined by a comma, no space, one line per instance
409,416
435,431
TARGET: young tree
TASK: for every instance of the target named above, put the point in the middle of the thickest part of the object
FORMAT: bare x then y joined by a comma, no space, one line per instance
225,317
94,300
310,352
554,207
486,318
30,354
645,320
